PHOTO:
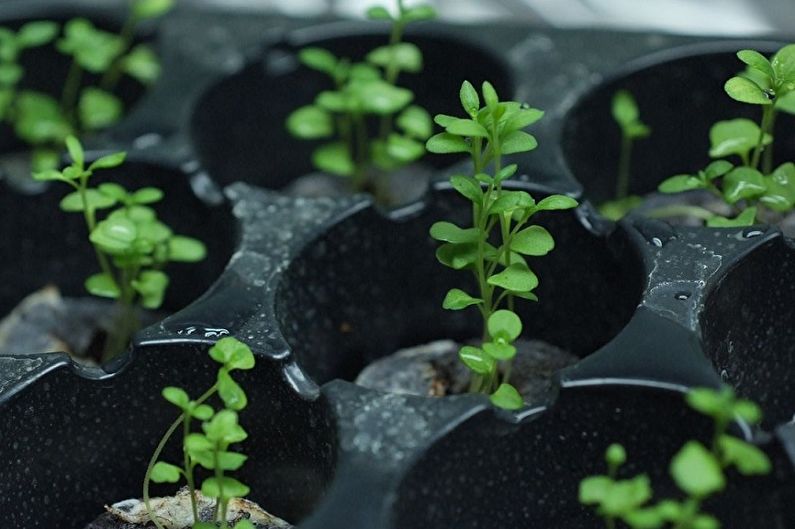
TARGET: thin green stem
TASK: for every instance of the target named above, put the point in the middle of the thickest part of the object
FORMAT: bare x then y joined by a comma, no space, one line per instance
393,68
767,155
69,95
624,160
112,75
360,153
189,468
159,449
768,116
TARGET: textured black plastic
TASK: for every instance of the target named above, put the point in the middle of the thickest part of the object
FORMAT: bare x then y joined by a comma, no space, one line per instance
320,287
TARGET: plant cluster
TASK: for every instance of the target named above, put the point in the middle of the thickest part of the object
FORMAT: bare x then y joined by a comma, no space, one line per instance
44,122
494,248
131,244
753,187
699,471
360,114
627,116
211,448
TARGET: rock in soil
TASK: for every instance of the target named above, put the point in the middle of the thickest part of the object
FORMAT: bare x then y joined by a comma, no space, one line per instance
435,370
47,322
175,512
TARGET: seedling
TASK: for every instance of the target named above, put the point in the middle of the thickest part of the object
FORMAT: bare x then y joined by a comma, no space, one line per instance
131,244
356,149
500,269
210,448
753,186
627,116
44,122
697,470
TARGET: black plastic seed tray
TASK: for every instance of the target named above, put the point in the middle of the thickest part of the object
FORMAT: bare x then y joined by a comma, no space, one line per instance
321,287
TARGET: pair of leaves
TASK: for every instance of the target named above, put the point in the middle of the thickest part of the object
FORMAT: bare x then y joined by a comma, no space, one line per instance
39,119
92,48
504,326
775,77
29,35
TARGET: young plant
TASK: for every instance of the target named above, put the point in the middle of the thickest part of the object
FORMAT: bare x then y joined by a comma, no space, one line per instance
626,115
209,448
362,91
43,121
131,245
697,470
753,186
494,248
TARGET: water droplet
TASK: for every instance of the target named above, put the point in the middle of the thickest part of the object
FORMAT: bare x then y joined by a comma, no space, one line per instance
724,375
656,241
682,296
749,233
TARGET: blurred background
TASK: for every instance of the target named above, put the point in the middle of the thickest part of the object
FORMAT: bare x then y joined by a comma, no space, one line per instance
719,17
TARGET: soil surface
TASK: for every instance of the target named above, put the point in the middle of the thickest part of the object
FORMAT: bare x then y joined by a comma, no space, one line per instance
47,322
390,190
435,370
175,512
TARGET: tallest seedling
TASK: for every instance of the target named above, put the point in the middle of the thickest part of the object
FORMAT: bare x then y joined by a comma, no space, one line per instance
495,247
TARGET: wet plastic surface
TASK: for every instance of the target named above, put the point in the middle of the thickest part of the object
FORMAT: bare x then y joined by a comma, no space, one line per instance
318,287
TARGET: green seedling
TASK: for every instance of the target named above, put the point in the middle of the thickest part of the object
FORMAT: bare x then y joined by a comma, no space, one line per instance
750,185
627,116
698,470
44,122
365,94
131,245
209,448
500,268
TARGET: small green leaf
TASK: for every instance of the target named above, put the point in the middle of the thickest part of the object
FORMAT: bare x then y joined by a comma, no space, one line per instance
783,64
419,13
490,96
747,410
735,136
224,488
151,285
499,351
457,256
477,360
39,119
230,460
92,48
518,141
378,13
102,285
381,98
522,118
746,91
626,496
510,201
114,191
318,59
467,128
743,183
748,459
507,398
696,471
108,162
680,183
505,325
38,33
593,489
516,278
165,473
457,299
786,103
176,396
334,158
10,74
99,109
405,56
535,240
449,232
468,187
186,249
203,412
505,173
147,195
644,518
705,521
746,218
75,150
446,143
404,149
717,169
197,442
310,122
469,99
143,9
241,524
230,391
556,202
756,60
624,109
48,175
415,122
232,353
142,64
615,455
73,202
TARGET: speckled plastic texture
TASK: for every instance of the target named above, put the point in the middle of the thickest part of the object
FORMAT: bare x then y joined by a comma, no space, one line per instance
320,287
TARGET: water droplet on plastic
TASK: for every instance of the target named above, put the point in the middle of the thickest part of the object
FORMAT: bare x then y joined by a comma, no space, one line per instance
750,233
682,296
724,375
656,241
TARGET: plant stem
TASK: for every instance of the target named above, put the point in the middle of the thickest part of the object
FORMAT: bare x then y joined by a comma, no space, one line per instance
360,152
767,156
69,95
112,75
624,158
393,69
159,449
768,117
189,468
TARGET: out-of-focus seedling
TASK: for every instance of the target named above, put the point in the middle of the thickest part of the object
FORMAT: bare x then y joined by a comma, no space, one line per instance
698,470
500,268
